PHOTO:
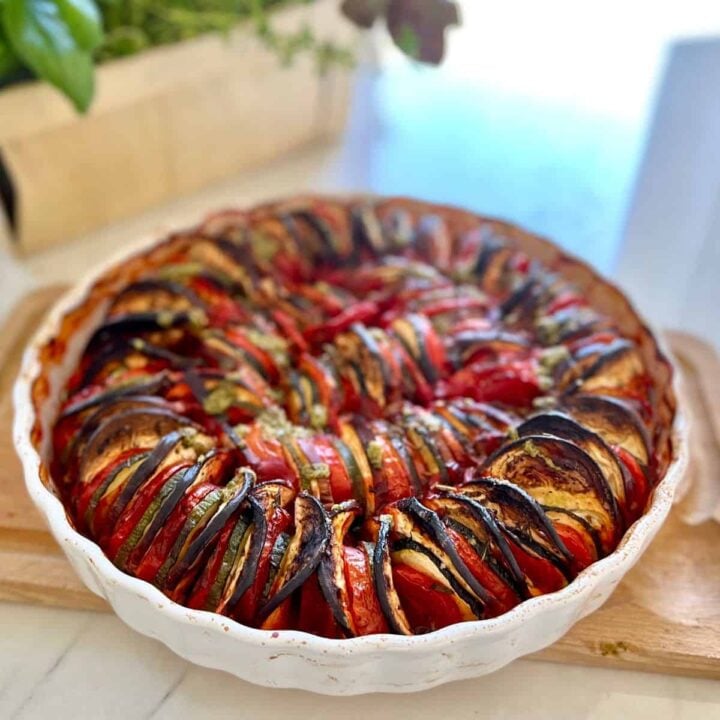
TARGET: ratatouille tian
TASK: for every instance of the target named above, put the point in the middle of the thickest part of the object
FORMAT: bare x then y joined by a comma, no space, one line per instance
355,417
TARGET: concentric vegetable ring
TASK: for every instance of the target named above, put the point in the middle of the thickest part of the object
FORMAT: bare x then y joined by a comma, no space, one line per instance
357,417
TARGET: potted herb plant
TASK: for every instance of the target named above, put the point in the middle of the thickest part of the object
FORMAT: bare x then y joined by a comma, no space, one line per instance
110,106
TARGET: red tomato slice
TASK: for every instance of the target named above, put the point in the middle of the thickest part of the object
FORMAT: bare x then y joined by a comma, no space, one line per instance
362,312
266,457
580,547
288,328
238,338
162,544
428,605
315,615
281,618
394,479
319,449
541,572
114,538
514,383
565,300
504,597
204,584
637,487
364,604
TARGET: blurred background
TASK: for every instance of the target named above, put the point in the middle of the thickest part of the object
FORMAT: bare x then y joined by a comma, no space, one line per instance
597,125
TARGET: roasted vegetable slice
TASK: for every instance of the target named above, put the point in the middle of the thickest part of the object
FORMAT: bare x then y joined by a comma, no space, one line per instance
557,473
303,554
384,581
562,426
331,571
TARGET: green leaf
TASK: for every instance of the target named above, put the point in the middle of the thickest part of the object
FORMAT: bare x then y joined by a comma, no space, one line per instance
55,38
83,19
8,60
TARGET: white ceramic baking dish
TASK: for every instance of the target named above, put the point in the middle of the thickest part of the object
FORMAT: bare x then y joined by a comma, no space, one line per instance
289,659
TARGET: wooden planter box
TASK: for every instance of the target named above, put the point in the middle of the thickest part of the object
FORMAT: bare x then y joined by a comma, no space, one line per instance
163,124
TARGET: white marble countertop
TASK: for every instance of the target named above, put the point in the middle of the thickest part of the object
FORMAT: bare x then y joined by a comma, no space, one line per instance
67,664
64,664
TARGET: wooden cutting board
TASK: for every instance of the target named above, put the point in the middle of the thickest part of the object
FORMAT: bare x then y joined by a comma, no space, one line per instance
664,616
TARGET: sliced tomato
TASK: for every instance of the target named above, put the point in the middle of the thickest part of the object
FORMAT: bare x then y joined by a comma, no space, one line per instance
504,597
565,300
394,478
265,456
261,357
289,329
637,487
204,583
114,538
428,605
364,604
579,546
315,615
513,383
163,542
361,312
543,575
282,618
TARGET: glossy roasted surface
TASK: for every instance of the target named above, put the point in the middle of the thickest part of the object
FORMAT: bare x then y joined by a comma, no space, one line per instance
350,418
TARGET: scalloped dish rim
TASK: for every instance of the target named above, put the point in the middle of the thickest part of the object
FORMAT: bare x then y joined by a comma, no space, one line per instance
588,585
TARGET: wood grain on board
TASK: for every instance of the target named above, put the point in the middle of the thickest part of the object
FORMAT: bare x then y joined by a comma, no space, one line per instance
664,616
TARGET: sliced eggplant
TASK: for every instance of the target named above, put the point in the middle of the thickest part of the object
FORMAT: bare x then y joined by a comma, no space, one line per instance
557,473
312,534
432,527
180,483
520,516
367,232
115,479
562,426
613,420
331,571
143,473
616,367
154,294
146,387
416,335
383,579
433,241
137,428
398,228
246,576
484,535
150,320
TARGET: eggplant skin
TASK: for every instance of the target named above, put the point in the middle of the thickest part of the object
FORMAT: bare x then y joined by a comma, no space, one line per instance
304,552
431,524
614,421
546,466
383,580
559,425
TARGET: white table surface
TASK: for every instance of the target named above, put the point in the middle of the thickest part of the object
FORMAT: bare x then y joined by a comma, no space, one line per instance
68,664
